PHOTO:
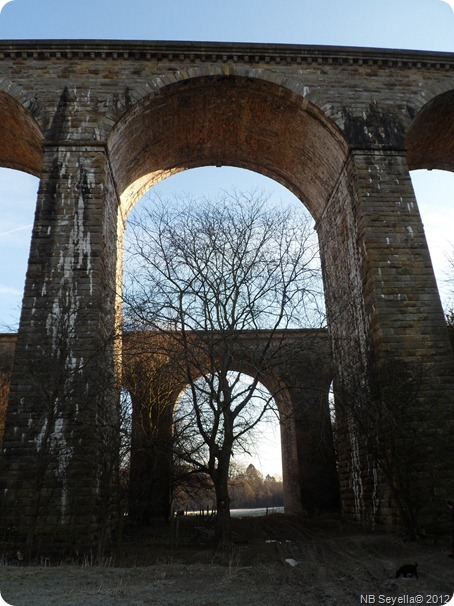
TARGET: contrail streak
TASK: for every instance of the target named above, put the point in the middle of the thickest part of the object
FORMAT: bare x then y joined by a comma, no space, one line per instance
11,231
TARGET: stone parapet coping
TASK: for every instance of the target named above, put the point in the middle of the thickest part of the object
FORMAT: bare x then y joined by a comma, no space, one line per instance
214,52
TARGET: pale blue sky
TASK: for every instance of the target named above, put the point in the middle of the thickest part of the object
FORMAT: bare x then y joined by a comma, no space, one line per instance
418,24
411,24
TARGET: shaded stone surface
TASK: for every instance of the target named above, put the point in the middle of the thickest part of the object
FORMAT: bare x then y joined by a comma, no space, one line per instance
100,122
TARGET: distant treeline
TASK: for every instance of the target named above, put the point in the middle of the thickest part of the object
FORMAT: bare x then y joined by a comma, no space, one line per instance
247,489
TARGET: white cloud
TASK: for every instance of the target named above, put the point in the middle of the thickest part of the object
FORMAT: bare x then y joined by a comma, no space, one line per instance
9,291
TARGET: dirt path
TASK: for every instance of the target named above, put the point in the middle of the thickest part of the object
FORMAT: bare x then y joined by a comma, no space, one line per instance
283,563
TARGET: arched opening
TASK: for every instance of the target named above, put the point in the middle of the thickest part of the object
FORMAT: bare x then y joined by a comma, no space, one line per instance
20,137
434,193
237,122
430,155
430,138
21,160
161,395
165,435
256,465
18,195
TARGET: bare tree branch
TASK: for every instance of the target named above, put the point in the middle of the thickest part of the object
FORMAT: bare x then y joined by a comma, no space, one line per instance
200,272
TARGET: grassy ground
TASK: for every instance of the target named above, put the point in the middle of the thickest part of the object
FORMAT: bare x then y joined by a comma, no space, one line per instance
277,561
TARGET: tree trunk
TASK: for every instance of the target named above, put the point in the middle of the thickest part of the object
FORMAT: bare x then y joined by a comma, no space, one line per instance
223,535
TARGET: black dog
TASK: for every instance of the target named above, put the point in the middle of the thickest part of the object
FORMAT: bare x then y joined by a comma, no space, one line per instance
407,570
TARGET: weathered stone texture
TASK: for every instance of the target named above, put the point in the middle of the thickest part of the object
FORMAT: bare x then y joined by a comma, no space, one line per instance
100,122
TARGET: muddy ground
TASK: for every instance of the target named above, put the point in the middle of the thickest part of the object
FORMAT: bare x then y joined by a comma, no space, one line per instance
277,561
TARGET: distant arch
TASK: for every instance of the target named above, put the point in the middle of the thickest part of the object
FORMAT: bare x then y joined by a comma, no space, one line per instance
20,137
430,137
299,386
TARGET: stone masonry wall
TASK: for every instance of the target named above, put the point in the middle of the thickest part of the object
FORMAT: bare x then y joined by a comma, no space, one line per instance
64,367
100,122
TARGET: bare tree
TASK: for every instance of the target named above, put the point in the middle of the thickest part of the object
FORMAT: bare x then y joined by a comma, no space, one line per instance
198,273
449,308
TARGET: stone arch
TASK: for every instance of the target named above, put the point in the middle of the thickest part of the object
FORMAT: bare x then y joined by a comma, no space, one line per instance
273,383
228,120
155,385
298,379
430,137
20,137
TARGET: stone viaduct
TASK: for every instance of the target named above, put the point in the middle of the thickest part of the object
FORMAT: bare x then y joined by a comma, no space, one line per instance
101,122
297,370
